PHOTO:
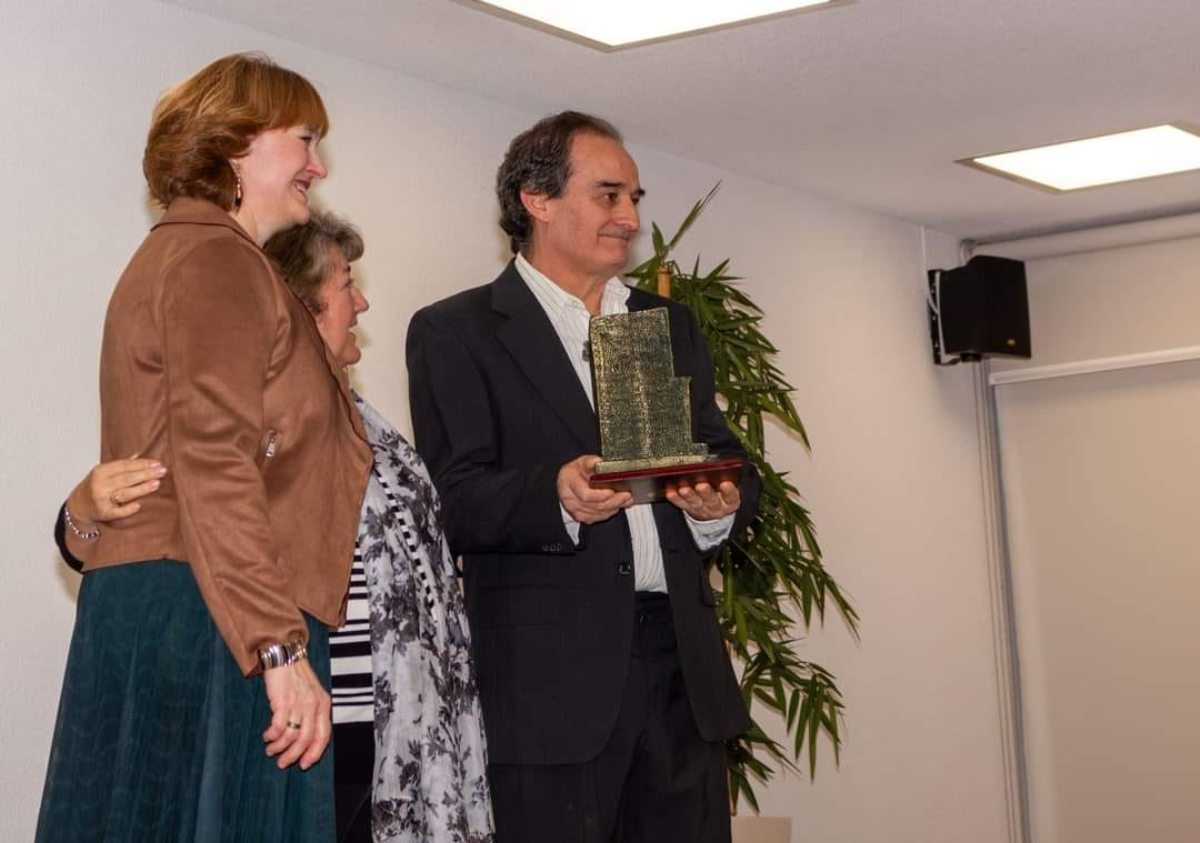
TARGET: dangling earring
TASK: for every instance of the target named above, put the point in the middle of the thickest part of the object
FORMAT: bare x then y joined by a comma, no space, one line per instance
237,199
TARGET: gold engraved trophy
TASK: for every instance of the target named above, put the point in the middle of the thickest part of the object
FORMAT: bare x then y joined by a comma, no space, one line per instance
644,411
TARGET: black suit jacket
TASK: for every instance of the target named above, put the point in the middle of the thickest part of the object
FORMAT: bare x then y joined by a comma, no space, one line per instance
497,410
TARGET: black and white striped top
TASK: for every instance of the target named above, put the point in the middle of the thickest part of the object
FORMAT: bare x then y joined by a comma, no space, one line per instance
350,654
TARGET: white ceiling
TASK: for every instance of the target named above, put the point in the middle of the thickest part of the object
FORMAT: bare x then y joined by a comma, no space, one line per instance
869,102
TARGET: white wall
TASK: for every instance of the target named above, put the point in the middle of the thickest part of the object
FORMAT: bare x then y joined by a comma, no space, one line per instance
1101,490
894,487
893,481
1111,302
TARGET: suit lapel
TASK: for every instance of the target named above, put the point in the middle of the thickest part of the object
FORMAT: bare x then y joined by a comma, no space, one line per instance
538,352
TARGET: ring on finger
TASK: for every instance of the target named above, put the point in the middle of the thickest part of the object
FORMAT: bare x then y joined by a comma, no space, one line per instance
114,500
292,724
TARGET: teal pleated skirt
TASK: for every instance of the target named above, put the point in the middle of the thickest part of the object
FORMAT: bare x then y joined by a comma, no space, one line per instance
159,736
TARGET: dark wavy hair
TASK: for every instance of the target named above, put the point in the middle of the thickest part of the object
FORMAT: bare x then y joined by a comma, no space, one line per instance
210,118
539,161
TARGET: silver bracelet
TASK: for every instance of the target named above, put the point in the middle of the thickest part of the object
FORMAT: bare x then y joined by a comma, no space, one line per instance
281,655
86,535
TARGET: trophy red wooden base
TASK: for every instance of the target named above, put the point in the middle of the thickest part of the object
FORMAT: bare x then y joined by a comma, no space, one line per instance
651,484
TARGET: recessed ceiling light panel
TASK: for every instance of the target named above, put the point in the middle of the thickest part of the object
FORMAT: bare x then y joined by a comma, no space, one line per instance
623,23
1108,159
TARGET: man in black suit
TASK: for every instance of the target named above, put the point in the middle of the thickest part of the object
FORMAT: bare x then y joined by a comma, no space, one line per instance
607,693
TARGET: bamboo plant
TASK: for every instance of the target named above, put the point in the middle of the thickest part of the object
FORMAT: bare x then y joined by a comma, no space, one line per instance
773,568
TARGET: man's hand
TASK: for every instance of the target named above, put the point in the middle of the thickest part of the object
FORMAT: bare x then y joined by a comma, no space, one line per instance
583,503
704,503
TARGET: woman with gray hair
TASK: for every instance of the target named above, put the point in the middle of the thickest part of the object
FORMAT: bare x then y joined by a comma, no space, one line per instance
410,758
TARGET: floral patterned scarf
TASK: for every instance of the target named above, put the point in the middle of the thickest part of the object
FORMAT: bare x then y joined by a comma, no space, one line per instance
430,779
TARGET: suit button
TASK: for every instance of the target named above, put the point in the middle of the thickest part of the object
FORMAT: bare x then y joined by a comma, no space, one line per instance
624,569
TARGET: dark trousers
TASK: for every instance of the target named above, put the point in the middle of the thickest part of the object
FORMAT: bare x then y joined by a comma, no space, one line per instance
353,768
656,780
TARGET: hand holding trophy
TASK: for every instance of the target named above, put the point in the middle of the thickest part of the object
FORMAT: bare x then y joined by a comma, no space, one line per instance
644,415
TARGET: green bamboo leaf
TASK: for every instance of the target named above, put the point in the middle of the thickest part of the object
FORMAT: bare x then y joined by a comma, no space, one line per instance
660,243
692,216
774,569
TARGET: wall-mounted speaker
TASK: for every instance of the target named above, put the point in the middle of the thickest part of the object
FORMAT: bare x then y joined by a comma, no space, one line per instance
979,310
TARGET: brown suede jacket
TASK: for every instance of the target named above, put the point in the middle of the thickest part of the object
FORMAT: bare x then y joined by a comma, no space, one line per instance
211,365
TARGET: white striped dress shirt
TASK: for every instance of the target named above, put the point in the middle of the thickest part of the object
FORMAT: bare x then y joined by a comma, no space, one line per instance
570,318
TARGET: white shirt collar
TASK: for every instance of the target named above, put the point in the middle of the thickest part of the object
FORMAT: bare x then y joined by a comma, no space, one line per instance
556,301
